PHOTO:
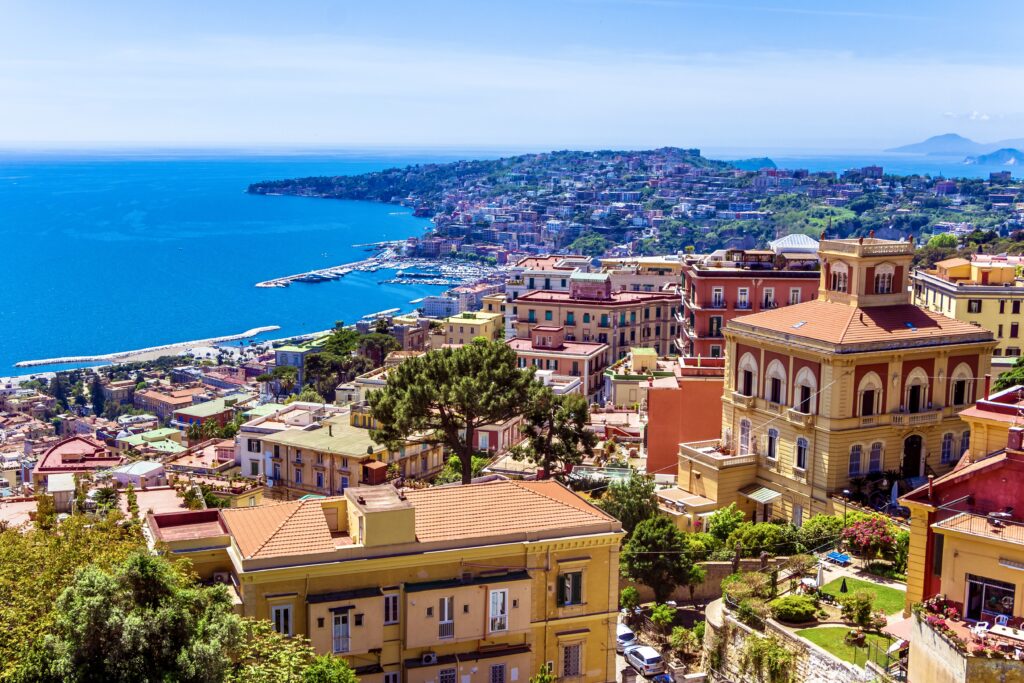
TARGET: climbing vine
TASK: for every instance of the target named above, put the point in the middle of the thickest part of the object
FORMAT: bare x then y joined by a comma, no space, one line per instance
769,659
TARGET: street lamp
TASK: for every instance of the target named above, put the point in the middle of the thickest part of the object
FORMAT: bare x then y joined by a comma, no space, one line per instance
846,499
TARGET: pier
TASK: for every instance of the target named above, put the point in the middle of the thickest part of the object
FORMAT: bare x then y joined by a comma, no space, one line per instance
371,264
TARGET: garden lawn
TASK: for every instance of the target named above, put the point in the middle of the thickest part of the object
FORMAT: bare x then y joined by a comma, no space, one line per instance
831,638
888,600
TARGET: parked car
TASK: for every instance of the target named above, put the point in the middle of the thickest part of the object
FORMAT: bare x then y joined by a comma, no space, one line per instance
624,637
645,659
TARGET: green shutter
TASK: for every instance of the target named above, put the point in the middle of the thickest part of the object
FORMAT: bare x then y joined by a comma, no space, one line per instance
577,588
560,598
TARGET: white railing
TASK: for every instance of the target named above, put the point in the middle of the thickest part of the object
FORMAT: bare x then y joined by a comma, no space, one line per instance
446,629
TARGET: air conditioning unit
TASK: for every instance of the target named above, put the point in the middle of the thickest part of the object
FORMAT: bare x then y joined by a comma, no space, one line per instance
428,658
222,577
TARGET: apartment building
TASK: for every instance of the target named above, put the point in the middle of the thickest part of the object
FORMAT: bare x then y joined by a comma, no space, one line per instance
484,583
547,349
163,403
465,327
334,453
731,283
983,291
591,312
855,386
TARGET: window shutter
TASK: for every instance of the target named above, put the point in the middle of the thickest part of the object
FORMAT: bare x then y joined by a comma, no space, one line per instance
561,590
577,588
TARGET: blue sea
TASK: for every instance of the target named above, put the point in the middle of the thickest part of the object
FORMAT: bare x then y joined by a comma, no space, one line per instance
114,251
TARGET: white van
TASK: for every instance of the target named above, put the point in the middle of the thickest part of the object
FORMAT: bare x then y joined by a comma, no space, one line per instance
624,637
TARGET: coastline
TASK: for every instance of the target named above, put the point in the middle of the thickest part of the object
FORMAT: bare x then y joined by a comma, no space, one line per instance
148,353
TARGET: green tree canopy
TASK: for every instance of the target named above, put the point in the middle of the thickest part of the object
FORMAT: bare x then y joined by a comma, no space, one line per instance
446,395
1012,377
655,555
724,521
556,432
631,501
96,395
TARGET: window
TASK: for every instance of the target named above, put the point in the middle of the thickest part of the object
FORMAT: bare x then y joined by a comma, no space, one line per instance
1015,308
773,444
277,472
743,300
875,458
801,453
965,443
776,389
391,677
391,608
254,468
499,610
446,676
855,452
1002,306
281,617
748,374
959,392
547,315
341,635
254,445
744,437
883,279
343,484
769,297
298,476
497,673
947,448
586,318
718,297
794,295
974,305
571,660
319,480
570,588
840,277
715,326
999,333
716,351
445,617
1014,330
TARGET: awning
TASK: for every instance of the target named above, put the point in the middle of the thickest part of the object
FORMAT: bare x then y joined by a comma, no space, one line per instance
760,494
900,629
1011,564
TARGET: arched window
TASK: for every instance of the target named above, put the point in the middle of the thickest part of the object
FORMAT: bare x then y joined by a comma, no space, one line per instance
915,396
883,278
806,389
801,453
747,377
961,386
773,444
947,448
744,437
855,453
775,387
965,443
840,277
869,395
875,458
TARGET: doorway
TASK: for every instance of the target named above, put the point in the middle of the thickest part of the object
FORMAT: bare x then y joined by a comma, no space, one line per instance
912,447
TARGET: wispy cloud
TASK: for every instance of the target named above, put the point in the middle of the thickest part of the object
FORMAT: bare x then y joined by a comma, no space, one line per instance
969,116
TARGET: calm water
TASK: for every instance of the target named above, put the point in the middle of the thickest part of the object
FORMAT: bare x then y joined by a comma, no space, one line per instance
111,254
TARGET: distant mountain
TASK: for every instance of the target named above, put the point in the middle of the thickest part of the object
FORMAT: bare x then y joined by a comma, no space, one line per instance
952,145
753,164
1006,156
949,144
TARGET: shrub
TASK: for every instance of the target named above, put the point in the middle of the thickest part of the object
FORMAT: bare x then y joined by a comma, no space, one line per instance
769,659
869,537
795,609
820,531
800,564
629,598
856,608
682,640
722,523
752,612
663,616
742,585
901,551
698,631
774,539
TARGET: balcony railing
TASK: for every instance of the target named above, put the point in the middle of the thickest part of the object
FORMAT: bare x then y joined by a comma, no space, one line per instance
742,306
994,525
716,304
910,419
342,643
712,453
446,629
742,399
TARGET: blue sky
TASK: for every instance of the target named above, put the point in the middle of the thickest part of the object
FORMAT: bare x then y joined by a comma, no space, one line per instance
778,74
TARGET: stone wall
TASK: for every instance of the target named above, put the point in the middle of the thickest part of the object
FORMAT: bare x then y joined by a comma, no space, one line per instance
933,659
711,589
724,640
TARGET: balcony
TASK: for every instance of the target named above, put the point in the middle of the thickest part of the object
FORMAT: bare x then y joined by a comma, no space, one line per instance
795,416
716,305
446,630
743,399
742,306
911,419
341,644
714,453
994,525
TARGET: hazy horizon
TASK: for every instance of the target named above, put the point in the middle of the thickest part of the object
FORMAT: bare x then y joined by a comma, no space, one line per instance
791,75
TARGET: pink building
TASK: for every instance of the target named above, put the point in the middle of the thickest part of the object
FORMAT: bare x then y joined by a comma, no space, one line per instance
547,349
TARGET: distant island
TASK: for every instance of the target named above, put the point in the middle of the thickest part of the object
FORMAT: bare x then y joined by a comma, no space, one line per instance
951,144
1007,156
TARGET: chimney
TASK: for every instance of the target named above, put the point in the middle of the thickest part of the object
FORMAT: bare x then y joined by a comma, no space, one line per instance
931,486
988,385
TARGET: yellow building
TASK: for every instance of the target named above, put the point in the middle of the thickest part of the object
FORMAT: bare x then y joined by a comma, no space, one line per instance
465,327
483,583
339,453
984,291
850,391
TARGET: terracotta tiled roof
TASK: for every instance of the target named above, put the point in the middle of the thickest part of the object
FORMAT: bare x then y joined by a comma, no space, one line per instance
294,528
500,507
838,323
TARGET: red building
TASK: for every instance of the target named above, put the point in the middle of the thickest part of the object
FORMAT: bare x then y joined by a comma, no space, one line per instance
726,285
76,455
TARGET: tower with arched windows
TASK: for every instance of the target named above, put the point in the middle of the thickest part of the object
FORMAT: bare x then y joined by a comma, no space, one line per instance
857,390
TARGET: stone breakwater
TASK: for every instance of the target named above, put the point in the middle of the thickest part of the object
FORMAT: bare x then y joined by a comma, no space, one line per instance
174,349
